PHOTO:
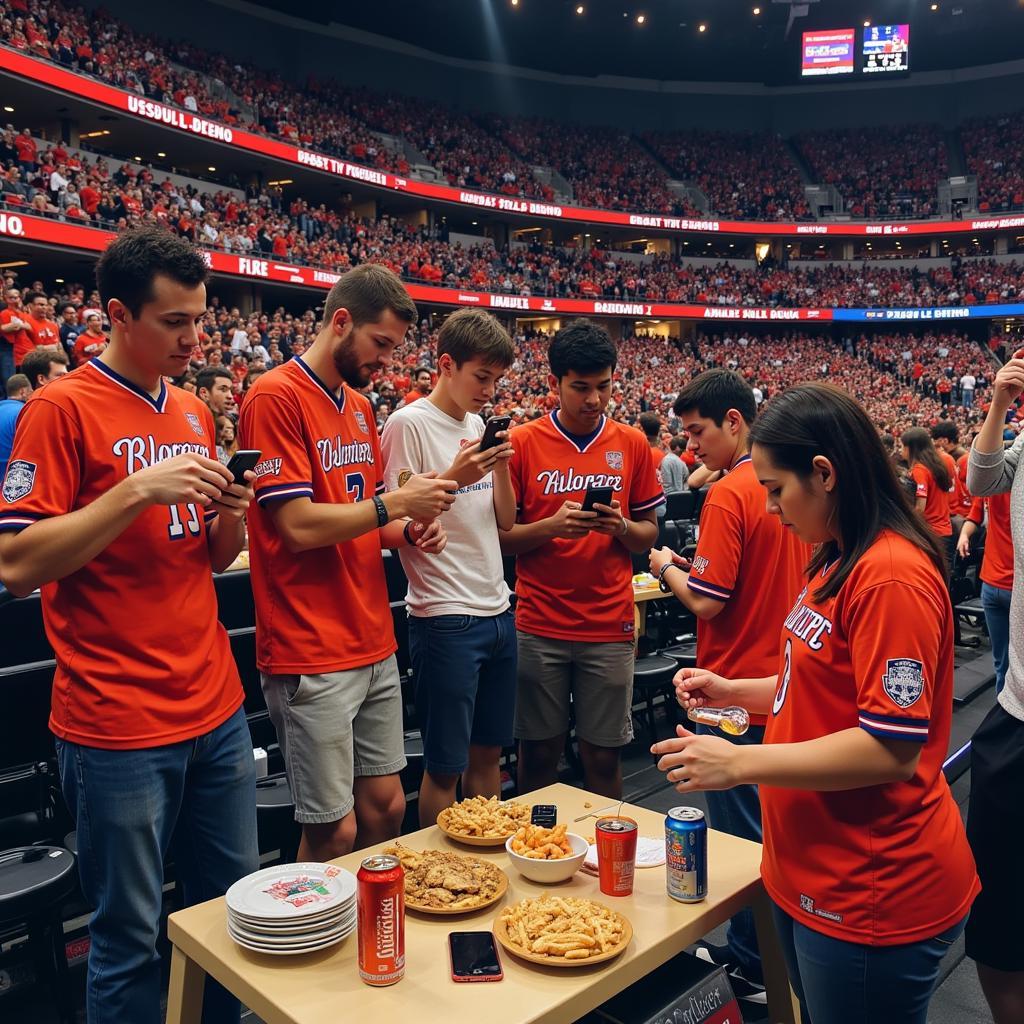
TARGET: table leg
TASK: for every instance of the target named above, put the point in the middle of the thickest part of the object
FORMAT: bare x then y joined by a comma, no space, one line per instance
783,1007
185,993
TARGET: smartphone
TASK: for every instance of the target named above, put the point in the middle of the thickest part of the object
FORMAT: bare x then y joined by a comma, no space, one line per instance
495,425
241,462
544,815
597,496
474,957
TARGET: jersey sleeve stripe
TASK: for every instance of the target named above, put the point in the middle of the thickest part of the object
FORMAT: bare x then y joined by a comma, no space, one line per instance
895,732
709,590
209,517
300,490
380,488
14,524
646,506
878,719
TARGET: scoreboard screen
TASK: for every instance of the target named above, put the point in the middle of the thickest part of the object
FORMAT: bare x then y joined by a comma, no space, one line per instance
886,49
828,53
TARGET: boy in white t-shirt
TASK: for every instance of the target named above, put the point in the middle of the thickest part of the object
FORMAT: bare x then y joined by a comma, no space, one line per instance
462,638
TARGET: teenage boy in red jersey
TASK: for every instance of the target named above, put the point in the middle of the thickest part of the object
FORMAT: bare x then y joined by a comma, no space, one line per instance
746,572
574,614
325,644
114,505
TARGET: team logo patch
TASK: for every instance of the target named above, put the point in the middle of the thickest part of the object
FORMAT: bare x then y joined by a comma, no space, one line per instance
361,420
19,481
404,476
614,459
903,680
193,422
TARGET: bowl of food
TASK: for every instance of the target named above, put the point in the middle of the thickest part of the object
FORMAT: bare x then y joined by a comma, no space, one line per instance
546,854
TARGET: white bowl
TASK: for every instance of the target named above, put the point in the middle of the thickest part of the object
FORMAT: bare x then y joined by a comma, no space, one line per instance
550,870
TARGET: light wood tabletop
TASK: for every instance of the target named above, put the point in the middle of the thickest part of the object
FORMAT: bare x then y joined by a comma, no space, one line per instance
323,987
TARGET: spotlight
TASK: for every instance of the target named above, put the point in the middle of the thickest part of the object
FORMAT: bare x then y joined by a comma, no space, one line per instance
641,18
161,154
579,9
935,7
515,3
702,27
757,10
867,24
211,168
9,110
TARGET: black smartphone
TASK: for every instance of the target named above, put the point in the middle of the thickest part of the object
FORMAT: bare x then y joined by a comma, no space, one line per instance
495,425
241,462
474,957
597,496
544,815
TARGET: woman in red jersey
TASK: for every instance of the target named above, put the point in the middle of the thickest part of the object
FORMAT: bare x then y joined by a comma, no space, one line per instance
865,856
933,472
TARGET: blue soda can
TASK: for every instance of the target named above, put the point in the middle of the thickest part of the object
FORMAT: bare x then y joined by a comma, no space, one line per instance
686,854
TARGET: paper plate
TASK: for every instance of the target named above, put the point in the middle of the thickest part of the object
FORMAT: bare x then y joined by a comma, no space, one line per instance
292,892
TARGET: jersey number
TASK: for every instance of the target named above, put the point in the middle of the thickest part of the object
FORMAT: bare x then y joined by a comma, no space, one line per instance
787,669
193,523
354,486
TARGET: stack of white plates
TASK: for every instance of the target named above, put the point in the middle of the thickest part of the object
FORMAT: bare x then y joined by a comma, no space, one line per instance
292,908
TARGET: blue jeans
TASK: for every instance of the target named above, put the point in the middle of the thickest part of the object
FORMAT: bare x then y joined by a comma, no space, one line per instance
738,812
465,672
996,603
840,982
196,798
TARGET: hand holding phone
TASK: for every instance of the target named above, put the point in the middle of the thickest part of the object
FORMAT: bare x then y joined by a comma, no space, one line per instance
495,426
596,496
474,957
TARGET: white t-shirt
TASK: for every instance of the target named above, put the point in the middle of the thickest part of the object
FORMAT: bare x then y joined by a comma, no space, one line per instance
467,577
968,381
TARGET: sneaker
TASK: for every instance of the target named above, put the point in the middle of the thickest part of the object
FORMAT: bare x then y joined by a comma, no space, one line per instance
750,994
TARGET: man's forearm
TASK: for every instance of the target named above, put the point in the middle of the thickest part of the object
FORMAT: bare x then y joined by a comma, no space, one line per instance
305,525
54,548
640,535
524,537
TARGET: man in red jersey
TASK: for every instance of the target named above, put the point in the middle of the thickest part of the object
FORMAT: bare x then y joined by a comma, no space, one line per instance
574,615
325,644
745,574
17,338
44,327
114,505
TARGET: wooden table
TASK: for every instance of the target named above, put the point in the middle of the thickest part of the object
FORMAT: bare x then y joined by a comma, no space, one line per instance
324,987
641,595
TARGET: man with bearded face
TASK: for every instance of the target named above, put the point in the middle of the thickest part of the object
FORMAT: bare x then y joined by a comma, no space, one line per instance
325,644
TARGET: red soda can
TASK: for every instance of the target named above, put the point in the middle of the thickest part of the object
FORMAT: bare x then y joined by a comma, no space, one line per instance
616,854
381,901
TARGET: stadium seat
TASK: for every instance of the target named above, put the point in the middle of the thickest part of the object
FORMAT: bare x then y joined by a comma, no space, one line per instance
34,883
681,504
652,675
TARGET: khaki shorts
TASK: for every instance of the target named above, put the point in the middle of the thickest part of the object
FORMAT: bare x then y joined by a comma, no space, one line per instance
596,677
334,728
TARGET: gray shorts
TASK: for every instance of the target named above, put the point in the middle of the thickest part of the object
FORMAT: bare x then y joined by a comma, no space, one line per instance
334,728
598,677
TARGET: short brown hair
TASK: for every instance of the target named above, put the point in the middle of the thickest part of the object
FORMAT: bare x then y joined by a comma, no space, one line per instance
367,292
37,362
473,333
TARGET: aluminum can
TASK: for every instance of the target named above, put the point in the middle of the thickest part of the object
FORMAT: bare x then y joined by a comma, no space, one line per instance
686,854
616,854
381,902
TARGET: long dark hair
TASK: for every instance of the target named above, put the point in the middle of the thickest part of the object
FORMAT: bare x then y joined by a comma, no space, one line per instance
821,419
922,449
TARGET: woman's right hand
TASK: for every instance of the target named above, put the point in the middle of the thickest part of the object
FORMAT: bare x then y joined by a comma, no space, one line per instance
963,545
698,688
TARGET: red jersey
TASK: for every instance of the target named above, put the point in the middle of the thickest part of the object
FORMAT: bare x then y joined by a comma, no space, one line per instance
23,340
578,589
413,396
936,501
997,564
880,865
959,496
748,560
46,331
324,610
141,659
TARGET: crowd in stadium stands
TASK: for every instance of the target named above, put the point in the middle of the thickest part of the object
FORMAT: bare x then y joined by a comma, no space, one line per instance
744,176
883,172
994,151
902,379
880,172
606,167
51,181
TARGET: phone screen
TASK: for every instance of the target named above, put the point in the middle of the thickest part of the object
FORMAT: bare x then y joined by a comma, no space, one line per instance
596,496
495,425
474,955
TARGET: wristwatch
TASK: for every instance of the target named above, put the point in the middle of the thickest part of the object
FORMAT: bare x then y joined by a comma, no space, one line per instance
382,510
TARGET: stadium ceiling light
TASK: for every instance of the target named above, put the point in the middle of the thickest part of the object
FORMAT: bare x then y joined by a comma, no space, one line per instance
161,154
139,158
702,27
515,3
935,7
59,280
9,110
867,24
579,9
211,168
757,10
641,18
